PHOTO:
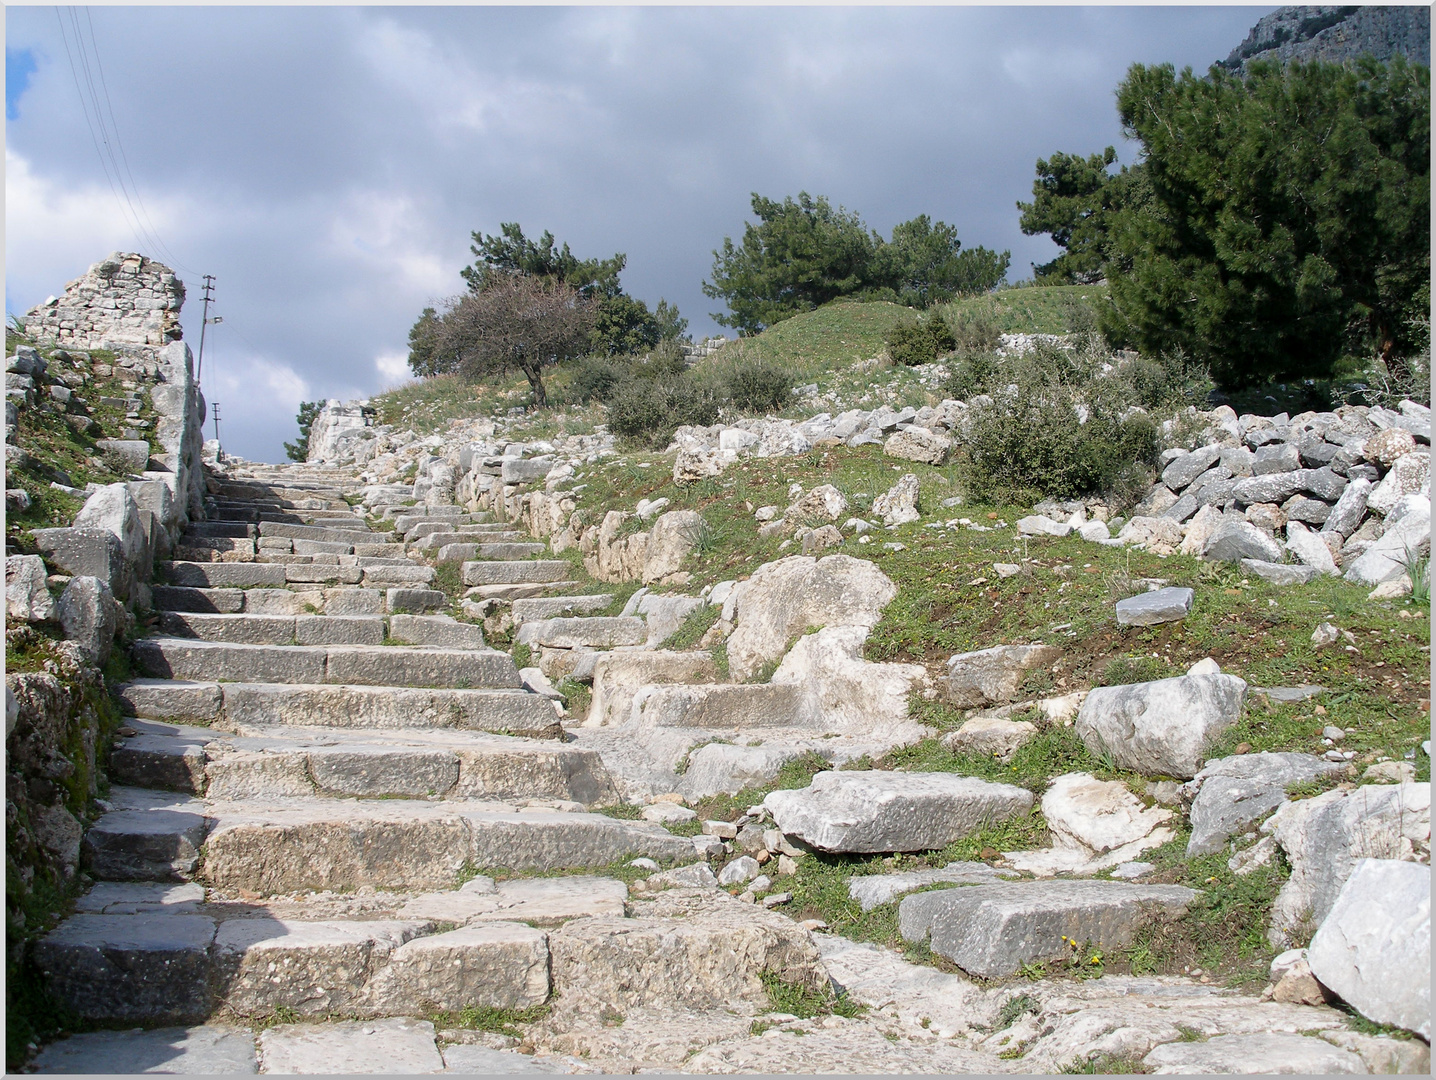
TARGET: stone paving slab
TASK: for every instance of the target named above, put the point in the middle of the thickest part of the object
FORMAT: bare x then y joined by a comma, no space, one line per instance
206,1050
399,1047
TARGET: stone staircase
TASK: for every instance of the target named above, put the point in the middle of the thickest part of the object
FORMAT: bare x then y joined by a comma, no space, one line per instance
314,768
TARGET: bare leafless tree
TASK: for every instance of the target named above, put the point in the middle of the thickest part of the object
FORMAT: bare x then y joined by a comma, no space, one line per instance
520,323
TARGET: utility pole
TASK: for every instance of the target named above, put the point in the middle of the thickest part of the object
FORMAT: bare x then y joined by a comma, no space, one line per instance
219,452
208,290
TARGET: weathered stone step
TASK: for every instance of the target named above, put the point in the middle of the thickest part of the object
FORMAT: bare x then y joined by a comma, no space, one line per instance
419,533
313,532
729,705
294,845
521,590
221,528
599,631
461,551
270,570
287,601
361,665
277,629
245,706
288,762
439,631
113,960
514,573
162,967
556,607
993,930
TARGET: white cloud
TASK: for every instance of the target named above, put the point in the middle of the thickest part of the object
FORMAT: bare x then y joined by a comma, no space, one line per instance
393,368
63,230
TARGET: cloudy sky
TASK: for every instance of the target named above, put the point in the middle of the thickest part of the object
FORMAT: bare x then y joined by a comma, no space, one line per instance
327,165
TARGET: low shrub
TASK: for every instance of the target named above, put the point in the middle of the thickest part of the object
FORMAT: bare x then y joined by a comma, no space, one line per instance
1069,429
970,374
975,326
649,411
595,379
758,386
914,341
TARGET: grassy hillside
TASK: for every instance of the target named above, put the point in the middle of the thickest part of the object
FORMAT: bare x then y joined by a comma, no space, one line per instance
831,346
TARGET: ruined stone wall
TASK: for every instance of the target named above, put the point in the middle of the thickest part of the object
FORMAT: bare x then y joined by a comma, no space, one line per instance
126,302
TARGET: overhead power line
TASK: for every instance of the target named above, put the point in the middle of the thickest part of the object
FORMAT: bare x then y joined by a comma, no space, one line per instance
90,85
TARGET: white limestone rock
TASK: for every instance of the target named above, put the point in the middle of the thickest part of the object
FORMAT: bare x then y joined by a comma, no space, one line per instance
871,811
1374,947
1163,727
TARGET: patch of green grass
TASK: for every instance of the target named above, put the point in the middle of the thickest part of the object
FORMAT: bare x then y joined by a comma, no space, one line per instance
840,332
487,1018
1014,1008
804,1001
693,628
1107,1065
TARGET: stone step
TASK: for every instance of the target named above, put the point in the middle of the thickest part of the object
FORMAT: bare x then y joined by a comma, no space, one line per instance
462,552
738,706
440,631
557,607
245,706
314,532
220,575
288,601
515,573
277,629
476,534
379,960
519,590
599,632
294,845
361,665
221,528
993,930
287,762
422,530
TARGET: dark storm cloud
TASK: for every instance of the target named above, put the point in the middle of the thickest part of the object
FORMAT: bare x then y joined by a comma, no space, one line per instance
328,164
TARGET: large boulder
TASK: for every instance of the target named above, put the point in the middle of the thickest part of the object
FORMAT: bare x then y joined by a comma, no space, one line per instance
1346,515
918,444
898,505
1388,557
26,595
1095,825
96,552
854,695
1187,467
1410,474
1310,548
1233,541
113,509
1324,838
995,674
87,613
1161,728
784,598
674,536
1374,947
872,811
1233,792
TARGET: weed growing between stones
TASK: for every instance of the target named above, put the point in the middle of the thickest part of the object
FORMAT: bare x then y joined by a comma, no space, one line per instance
488,1018
693,628
1106,1065
800,1000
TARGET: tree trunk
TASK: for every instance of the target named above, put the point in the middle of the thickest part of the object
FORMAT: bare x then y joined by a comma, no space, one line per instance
531,372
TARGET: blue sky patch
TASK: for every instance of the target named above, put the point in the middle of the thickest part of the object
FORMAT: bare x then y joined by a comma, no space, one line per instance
19,66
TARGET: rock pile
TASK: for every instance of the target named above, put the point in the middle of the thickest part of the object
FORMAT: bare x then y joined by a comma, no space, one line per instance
1338,492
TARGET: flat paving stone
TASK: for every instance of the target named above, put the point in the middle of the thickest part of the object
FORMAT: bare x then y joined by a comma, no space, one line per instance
1268,1053
398,1046
1159,606
206,1050
992,930
481,1061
